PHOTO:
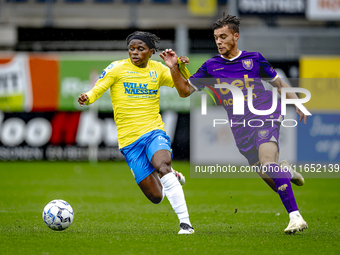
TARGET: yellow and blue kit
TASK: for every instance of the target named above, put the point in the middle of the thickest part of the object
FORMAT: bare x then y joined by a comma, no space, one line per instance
134,93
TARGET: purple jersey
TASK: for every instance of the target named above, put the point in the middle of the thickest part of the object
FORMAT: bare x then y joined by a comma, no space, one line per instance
245,70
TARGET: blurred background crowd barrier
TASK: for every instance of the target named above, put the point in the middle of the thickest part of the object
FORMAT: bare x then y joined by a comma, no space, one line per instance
53,50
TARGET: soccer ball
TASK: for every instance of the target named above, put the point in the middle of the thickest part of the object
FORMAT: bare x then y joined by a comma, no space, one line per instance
58,214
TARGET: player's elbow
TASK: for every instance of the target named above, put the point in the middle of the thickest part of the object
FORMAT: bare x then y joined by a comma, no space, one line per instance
184,94
184,91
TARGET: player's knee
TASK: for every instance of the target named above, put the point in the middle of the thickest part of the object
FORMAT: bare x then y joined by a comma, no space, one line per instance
156,198
265,159
161,161
164,169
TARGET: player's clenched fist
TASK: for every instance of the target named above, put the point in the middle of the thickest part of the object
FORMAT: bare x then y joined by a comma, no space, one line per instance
82,99
185,60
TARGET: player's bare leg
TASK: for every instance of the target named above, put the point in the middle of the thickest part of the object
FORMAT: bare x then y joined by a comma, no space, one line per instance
268,155
168,184
151,185
152,188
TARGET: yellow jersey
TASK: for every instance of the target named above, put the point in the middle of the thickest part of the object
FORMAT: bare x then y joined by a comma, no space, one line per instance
134,94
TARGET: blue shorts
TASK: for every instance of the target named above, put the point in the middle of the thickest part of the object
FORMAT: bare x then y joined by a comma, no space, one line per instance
139,154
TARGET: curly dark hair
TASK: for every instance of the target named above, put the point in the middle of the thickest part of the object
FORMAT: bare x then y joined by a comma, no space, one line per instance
152,39
231,21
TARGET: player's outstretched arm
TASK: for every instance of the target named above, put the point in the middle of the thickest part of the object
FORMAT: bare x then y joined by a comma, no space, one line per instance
291,95
82,99
182,85
104,82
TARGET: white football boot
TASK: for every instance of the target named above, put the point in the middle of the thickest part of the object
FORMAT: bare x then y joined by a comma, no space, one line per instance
297,178
296,224
186,229
180,177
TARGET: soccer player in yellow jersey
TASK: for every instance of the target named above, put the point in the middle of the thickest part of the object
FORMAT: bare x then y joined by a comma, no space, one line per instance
134,88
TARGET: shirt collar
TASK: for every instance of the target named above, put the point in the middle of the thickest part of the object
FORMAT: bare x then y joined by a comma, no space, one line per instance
232,59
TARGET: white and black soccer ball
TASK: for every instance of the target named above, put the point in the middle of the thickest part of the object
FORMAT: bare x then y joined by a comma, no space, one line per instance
58,214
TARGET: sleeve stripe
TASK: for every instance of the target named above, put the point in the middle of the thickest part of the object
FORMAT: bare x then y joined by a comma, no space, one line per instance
192,85
276,76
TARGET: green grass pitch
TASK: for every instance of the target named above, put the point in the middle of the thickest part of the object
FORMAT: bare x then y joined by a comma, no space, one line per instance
112,216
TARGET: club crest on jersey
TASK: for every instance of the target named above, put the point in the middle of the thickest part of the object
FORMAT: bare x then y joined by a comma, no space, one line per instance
153,75
247,64
263,133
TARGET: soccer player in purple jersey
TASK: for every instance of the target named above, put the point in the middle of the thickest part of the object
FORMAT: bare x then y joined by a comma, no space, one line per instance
260,145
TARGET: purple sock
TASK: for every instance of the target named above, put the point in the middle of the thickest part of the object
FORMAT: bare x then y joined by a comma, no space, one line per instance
283,186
